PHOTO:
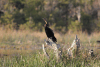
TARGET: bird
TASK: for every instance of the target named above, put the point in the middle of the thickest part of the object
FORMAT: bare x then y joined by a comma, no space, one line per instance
49,32
98,41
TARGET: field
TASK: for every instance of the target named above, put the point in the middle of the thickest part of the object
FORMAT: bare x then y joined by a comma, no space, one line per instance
24,49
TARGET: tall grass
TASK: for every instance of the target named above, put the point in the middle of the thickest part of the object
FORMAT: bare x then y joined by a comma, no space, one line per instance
23,49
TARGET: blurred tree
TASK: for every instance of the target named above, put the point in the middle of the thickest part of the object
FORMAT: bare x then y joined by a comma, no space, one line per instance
19,18
19,4
6,19
33,9
87,22
61,14
75,26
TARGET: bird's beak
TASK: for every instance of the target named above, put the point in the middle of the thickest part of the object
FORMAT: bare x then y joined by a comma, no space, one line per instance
44,20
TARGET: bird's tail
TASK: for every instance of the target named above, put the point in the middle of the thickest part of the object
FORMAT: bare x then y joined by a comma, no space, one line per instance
54,39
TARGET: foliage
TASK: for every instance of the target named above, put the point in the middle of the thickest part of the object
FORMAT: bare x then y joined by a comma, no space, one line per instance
86,20
75,26
61,13
6,18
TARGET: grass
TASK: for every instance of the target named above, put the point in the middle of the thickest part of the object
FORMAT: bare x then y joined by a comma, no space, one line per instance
23,49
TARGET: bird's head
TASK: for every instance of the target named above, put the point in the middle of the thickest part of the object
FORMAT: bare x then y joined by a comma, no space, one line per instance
46,25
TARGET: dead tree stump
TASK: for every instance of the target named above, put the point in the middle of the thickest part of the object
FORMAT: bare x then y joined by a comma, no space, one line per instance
53,46
74,49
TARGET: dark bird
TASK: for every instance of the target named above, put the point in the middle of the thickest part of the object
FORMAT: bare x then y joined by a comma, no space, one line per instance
49,32
98,41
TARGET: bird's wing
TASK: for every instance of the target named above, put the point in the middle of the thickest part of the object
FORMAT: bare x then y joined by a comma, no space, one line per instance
51,31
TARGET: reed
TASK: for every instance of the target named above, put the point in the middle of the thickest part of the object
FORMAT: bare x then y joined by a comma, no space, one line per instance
24,49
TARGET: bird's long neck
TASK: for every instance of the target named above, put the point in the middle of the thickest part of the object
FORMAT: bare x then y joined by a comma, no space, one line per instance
46,26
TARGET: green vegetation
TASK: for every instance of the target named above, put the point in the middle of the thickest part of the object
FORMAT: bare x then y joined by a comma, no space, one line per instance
23,49
38,60
63,15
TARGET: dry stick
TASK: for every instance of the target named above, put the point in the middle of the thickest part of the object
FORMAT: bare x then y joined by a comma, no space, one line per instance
55,50
55,47
75,46
46,54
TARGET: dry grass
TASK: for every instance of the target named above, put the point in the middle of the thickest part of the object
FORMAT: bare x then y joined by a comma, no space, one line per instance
29,37
13,43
